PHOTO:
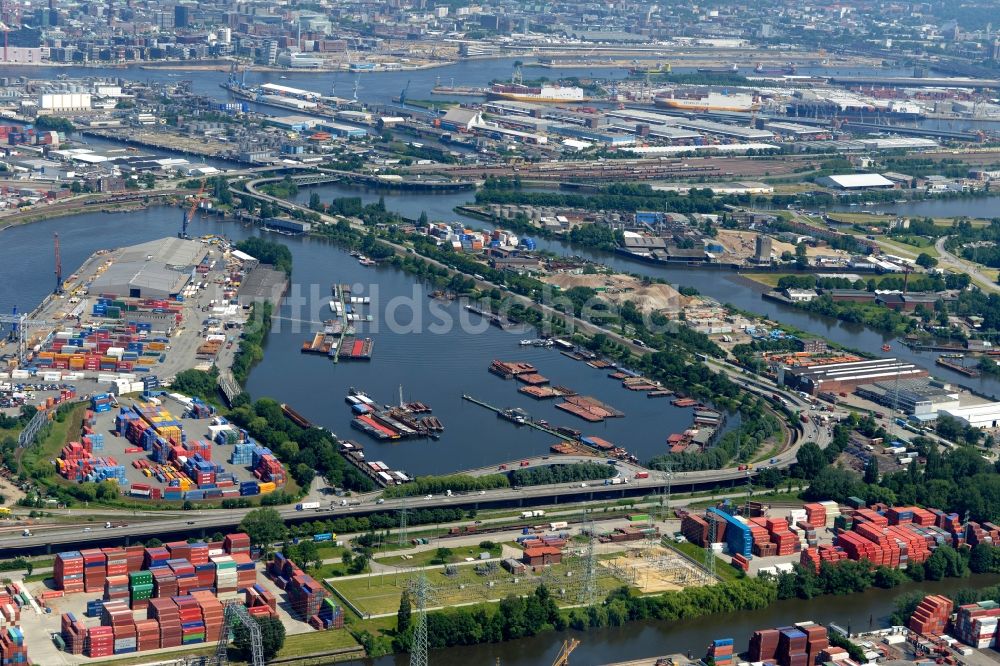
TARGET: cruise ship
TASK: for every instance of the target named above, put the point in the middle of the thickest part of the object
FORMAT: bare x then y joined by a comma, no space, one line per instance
709,102
550,94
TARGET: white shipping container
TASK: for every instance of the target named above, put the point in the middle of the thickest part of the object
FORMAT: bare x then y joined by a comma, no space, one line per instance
51,377
125,643
136,387
20,374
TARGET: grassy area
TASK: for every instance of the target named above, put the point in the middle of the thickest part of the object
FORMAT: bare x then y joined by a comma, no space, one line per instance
898,247
379,593
313,642
35,461
768,279
428,557
203,650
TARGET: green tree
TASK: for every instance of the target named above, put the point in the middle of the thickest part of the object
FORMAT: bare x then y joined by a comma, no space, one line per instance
926,261
264,526
403,615
810,460
871,470
272,635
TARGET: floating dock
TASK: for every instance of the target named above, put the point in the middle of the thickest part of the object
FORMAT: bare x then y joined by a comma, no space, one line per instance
496,320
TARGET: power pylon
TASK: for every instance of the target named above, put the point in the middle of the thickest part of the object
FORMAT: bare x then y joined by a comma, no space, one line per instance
420,591
236,613
709,553
402,523
665,505
588,592
749,493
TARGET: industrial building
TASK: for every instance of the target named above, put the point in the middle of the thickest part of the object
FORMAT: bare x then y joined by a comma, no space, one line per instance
917,397
856,181
845,377
157,269
978,416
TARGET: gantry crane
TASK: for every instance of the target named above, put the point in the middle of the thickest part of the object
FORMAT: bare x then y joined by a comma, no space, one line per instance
562,659
189,214
59,274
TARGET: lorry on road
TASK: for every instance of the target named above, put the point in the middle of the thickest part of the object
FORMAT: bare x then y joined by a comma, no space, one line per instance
304,506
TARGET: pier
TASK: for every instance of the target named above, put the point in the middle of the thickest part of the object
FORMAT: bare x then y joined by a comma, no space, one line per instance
506,413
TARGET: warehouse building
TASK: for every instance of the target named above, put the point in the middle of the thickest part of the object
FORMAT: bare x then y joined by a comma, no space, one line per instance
978,416
157,269
917,397
845,377
856,181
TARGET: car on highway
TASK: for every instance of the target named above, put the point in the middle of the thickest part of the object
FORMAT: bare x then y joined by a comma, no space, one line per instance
482,492
190,522
380,501
429,497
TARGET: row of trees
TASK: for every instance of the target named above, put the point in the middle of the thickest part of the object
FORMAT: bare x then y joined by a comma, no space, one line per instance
536,476
251,350
520,617
627,197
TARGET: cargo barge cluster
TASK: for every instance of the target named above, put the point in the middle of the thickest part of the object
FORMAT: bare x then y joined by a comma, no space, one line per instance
392,422
377,470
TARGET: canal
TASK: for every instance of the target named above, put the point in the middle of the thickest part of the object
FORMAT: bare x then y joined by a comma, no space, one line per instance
859,612
724,285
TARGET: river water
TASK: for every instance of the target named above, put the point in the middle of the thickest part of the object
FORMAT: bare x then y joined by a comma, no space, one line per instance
725,286
973,207
859,612
435,351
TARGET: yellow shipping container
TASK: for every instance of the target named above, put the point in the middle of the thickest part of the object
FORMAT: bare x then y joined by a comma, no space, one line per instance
267,487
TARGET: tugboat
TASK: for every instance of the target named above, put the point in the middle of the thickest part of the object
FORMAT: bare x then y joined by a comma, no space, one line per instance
886,347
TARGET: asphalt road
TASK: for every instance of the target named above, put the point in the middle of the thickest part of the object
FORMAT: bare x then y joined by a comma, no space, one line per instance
227,518
948,260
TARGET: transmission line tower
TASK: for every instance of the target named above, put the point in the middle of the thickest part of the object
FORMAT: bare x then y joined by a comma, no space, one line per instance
402,523
236,613
749,494
588,592
665,505
420,591
709,553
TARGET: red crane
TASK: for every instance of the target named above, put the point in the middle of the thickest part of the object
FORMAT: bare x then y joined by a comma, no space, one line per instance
189,214
59,274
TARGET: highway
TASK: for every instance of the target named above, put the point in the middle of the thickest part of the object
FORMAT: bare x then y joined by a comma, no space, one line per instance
204,523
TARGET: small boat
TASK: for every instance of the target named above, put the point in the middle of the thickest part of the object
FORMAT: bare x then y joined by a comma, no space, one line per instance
365,261
435,435
526,343
886,348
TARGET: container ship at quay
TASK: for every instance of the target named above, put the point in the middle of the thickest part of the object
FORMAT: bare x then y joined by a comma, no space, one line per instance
709,102
544,94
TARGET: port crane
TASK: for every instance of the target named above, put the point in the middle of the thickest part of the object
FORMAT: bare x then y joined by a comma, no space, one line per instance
402,94
189,213
59,274
562,659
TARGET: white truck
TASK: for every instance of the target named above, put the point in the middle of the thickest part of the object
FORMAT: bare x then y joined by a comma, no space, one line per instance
304,506
532,514
559,525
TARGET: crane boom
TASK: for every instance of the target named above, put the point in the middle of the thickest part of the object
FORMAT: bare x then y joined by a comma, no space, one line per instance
562,659
59,273
189,214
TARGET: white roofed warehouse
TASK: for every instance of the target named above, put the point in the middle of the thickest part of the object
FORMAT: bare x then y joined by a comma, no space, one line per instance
856,181
982,416
157,269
